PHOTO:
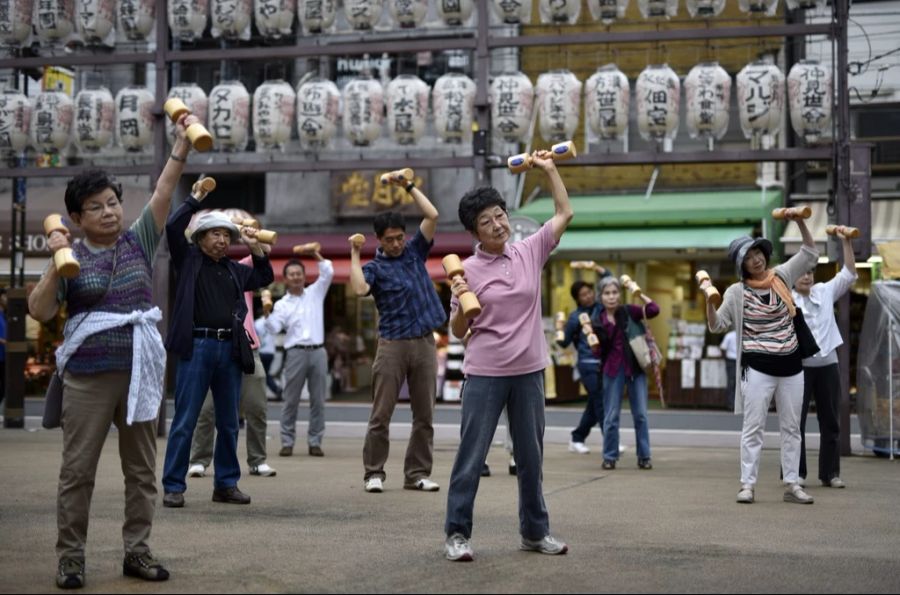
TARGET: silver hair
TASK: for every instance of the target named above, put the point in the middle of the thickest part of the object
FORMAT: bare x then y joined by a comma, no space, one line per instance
608,280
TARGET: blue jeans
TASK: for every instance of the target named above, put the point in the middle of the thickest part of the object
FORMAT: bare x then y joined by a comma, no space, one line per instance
210,367
483,398
613,390
593,411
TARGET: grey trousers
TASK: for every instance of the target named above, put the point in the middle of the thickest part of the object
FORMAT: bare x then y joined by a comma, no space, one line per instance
300,366
253,410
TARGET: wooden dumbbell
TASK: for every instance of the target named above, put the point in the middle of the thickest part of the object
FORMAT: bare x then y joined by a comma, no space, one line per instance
785,212
560,324
66,264
559,152
582,264
629,284
406,174
197,133
357,240
588,329
264,236
468,301
712,294
308,248
848,232
202,187
266,297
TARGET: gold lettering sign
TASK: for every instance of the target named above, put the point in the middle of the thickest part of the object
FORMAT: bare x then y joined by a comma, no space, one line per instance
361,194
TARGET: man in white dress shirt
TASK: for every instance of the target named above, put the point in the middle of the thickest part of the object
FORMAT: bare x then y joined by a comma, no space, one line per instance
300,315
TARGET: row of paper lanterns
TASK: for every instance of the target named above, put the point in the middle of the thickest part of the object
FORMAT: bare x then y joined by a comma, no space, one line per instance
96,20
94,118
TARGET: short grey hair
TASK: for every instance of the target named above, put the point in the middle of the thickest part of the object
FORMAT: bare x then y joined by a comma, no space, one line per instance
603,282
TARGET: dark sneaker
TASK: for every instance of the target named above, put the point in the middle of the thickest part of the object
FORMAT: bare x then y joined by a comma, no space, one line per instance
230,495
645,464
316,451
286,451
512,466
173,500
485,471
143,566
70,574
548,545
608,464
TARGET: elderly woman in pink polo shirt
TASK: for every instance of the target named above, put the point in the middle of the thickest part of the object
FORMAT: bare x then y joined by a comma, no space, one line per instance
505,360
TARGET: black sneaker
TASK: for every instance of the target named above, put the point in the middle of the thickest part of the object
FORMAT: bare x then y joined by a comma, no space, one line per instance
485,471
230,495
173,500
143,566
608,464
645,464
70,574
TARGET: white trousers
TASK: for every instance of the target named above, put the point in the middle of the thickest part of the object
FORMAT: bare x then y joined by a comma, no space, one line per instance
758,390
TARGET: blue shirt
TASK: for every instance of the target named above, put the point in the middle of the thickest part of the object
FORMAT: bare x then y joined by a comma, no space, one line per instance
574,335
408,305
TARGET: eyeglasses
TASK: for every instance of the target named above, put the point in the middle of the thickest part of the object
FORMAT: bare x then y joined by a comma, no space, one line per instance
96,210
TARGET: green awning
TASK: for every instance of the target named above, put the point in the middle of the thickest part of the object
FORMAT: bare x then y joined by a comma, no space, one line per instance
700,239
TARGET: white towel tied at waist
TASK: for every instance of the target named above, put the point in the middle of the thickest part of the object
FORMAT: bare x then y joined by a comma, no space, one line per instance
148,363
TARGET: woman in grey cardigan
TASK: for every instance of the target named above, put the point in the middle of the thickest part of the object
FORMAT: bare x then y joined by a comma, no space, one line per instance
761,310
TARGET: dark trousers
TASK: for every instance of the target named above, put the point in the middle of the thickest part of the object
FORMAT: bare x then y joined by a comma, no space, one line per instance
593,411
824,385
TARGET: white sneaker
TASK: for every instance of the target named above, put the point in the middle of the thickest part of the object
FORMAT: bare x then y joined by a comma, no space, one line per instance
263,470
374,485
745,495
197,470
578,447
795,494
458,549
622,448
835,482
423,485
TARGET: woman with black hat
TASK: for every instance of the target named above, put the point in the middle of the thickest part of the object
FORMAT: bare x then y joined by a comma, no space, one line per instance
769,362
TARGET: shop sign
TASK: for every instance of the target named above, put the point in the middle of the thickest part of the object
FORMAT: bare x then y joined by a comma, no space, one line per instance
361,194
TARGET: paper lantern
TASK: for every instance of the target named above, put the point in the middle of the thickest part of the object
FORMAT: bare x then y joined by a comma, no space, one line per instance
136,18
658,96
274,18
512,11
51,121
607,98
15,21
804,4
134,118
316,15
407,108
453,101
194,98
94,119
607,11
187,18
658,8
512,106
363,100
757,6
363,14
229,116
318,109
408,13
559,12
230,18
559,102
705,8
15,120
94,19
273,114
760,97
455,12
810,97
707,95
54,19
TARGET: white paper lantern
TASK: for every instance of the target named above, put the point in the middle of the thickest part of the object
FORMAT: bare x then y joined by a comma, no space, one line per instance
559,103
513,11
804,4
194,98
51,121
15,21
408,13
229,116
94,119
274,103
705,8
455,12
810,97
707,95
134,118
453,102
54,20
363,100
15,120
318,110
274,18
187,18
136,18
658,8
607,11
658,96
363,14
760,97
94,19
512,106
757,6
230,18
407,108
559,12
607,98
316,15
